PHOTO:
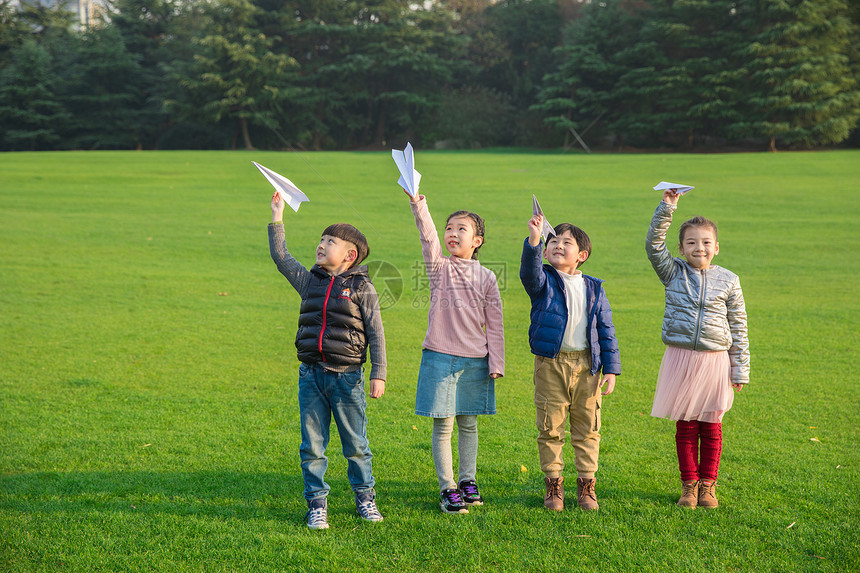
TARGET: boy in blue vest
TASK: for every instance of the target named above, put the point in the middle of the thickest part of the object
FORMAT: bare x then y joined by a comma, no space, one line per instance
338,320
573,340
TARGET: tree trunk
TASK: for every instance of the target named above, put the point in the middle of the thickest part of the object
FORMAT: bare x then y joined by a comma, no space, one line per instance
773,143
316,133
380,126
245,135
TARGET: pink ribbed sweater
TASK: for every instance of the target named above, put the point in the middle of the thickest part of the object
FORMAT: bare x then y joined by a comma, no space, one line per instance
465,317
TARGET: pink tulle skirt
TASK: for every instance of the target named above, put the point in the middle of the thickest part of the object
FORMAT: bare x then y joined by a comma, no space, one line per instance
693,385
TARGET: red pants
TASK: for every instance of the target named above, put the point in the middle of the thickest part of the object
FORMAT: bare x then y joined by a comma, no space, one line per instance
693,463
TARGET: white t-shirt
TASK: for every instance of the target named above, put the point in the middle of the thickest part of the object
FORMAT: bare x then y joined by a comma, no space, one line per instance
575,332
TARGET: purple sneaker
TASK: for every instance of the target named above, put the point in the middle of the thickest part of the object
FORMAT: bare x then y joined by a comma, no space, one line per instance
451,501
471,495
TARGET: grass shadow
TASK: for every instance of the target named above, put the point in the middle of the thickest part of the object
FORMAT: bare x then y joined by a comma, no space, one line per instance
221,494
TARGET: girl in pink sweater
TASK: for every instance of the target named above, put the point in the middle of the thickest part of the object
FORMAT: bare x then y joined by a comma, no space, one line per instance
463,351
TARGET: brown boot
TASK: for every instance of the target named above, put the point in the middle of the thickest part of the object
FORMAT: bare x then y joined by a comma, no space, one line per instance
554,498
706,494
690,495
585,493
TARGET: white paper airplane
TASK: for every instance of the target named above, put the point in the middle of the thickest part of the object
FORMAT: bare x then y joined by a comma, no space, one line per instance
681,189
409,177
547,229
291,194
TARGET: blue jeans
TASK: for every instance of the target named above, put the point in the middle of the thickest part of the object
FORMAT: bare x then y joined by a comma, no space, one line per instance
321,394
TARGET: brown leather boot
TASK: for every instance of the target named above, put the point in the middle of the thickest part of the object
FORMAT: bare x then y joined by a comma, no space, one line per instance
706,494
690,494
585,493
554,498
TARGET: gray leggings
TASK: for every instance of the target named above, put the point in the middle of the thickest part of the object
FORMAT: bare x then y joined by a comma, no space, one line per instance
467,449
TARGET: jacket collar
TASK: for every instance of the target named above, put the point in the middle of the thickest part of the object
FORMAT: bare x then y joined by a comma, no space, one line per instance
360,270
587,278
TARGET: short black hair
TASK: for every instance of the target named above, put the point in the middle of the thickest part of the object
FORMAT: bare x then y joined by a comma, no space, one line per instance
347,232
580,236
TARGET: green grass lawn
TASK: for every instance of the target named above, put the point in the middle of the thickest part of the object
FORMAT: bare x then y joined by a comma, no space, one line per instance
148,412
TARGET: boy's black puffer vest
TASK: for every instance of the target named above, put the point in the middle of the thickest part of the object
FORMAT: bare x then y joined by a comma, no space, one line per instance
331,329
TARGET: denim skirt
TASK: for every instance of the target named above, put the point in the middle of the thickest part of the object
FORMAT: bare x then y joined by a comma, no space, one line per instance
451,385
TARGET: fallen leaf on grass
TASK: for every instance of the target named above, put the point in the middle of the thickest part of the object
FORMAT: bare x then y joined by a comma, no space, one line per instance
582,536
223,293
814,440
792,525
523,468
414,427
145,445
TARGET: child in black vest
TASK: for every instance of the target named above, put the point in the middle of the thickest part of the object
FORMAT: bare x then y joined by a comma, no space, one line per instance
338,319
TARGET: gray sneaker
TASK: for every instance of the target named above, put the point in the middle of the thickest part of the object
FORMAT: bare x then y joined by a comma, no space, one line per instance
365,505
317,516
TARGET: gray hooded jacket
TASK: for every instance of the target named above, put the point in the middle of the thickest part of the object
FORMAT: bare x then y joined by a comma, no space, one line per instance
704,308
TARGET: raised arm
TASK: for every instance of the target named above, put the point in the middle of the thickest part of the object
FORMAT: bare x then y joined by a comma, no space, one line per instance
431,248
531,272
288,266
655,242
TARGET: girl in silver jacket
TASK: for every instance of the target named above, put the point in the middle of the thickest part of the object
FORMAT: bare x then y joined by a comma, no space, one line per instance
707,351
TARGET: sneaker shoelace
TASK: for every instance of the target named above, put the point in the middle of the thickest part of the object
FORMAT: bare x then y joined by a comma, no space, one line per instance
368,509
454,497
470,488
317,516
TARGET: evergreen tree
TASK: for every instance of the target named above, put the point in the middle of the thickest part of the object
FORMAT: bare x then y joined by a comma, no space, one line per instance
234,76
32,116
679,72
800,89
12,31
509,51
147,30
366,69
102,90
593,58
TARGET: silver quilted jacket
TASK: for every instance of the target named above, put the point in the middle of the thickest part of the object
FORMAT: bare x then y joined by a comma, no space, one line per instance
704,308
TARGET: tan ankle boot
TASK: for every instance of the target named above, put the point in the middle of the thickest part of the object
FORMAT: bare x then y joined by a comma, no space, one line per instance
707,498
585,493
554,498
690,494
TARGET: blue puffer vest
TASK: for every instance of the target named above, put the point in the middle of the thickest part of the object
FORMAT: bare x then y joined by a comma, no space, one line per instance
549,313
331,328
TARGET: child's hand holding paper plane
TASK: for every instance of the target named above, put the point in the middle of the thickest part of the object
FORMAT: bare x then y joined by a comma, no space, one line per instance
409,177
547,229
291,194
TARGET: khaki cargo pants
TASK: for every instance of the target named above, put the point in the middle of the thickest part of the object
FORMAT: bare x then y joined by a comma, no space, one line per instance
565,388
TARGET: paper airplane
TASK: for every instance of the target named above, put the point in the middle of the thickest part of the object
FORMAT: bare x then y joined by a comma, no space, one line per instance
291,194
409,177
681,189
547,229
